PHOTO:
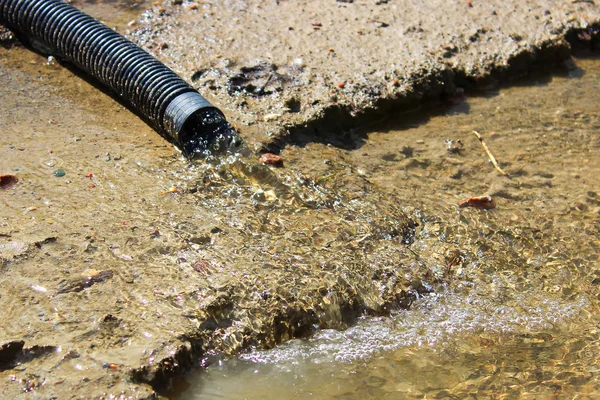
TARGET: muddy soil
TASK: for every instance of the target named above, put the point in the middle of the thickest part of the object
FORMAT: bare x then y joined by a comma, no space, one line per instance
123,264
285,68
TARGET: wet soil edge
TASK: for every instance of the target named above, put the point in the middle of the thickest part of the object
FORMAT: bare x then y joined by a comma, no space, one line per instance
336,120
293,322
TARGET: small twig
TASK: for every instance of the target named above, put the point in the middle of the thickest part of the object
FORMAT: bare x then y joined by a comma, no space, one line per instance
490,155
416,256
261,90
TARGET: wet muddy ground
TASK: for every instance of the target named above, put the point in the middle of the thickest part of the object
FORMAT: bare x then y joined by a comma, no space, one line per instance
123,264
515,307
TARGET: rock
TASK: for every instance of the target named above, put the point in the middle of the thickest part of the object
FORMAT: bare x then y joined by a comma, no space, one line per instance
7,181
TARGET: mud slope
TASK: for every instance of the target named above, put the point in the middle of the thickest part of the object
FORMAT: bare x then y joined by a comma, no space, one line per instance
281,65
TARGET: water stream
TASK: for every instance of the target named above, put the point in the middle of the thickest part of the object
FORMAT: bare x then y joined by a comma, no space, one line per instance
518,316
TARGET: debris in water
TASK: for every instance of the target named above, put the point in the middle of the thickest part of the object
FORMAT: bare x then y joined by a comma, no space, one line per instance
59,172
490,155
483,202
7,181
454,146
38,288
454,258
202,266
271,159
78,285
172,189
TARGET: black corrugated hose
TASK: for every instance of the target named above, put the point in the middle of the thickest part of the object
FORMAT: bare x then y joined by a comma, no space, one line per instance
156,93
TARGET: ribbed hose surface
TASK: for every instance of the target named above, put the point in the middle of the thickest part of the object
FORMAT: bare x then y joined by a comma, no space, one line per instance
54,27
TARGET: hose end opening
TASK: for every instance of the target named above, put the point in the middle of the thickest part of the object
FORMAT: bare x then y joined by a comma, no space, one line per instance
197,126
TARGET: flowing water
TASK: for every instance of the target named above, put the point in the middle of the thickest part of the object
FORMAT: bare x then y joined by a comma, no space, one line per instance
517,313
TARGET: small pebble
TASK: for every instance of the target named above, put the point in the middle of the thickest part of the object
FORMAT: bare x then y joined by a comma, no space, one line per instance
271,117
271,159
483,202
299,62
59,172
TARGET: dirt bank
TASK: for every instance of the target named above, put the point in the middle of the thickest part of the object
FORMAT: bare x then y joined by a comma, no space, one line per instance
135,265
280,67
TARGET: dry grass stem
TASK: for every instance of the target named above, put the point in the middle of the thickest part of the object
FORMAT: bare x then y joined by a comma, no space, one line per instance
490,155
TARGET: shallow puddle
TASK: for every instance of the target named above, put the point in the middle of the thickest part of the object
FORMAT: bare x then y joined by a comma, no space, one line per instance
514,312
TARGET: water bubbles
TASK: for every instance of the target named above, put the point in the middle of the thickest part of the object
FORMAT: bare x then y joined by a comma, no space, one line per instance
434,322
